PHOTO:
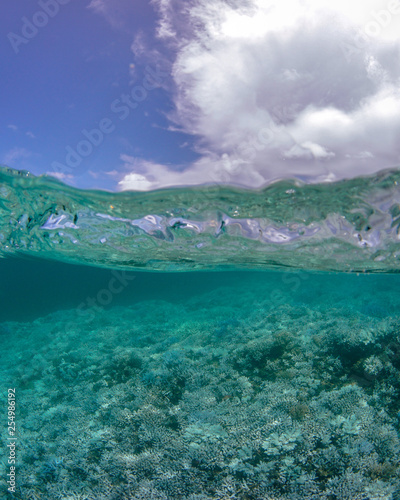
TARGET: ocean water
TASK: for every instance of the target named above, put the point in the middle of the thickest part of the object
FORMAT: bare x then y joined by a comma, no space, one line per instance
200,344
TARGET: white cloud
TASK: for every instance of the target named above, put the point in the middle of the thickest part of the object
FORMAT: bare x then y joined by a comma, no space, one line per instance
270,91
99,6
145,53
112,11
135,182
374,125
60,176
14,128
16,154
156,176
308,150
362,155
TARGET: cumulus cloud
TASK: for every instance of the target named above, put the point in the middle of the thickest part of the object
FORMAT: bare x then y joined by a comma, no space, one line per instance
301,88
308,150
147,175
60,176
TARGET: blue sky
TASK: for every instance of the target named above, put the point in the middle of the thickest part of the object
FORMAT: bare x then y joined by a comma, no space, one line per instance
123,94
65,79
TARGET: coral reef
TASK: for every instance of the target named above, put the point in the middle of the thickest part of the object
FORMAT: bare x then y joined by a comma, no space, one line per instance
223,396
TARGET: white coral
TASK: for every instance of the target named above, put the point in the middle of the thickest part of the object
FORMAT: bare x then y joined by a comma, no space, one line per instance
276,443
373,365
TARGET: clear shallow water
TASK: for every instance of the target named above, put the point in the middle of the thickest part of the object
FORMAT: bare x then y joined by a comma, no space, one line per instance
199,385
351,225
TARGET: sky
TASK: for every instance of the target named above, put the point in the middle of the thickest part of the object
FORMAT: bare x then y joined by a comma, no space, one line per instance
141,95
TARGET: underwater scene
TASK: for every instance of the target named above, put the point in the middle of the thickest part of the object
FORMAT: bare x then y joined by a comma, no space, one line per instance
207,343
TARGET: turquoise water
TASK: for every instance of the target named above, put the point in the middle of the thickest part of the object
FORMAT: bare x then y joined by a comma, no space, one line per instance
201,344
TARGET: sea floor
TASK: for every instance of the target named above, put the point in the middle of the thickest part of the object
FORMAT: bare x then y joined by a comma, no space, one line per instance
282,386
